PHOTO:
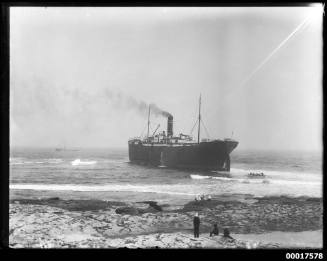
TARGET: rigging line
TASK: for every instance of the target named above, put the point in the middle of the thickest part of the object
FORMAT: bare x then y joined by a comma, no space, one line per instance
205,129
143,131
193,126
196,121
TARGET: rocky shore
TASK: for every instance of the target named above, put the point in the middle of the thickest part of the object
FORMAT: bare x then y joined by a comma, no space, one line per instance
57,223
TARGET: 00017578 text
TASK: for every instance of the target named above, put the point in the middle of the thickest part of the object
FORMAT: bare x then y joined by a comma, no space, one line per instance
304,255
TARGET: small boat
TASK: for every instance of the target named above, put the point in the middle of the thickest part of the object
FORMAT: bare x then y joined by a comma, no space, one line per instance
252,174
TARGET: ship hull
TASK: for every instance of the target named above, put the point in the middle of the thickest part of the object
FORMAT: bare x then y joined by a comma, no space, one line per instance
213,155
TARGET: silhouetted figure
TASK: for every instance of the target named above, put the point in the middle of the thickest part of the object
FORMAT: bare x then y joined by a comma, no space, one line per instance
227,234
196,223
215,231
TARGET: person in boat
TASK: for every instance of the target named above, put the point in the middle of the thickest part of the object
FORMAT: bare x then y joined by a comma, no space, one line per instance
227,235
215,231
196,224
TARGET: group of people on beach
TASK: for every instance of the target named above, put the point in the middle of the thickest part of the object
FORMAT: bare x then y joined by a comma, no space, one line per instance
213,232
202,197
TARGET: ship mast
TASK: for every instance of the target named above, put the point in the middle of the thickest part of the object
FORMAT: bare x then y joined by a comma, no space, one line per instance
199,119
148,122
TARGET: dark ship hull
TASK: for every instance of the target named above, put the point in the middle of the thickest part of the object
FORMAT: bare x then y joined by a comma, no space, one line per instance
211,155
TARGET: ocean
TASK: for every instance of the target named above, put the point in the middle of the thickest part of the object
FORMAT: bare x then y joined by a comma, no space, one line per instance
107,174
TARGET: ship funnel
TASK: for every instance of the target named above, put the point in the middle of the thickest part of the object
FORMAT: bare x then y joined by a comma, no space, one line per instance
170,126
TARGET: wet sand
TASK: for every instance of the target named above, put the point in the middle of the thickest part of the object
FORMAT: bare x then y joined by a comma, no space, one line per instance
57,223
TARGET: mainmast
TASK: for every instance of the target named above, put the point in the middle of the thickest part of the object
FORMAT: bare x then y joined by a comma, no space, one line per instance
148,122
199,119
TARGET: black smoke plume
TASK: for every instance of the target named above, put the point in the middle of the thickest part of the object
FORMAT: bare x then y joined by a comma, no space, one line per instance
127,102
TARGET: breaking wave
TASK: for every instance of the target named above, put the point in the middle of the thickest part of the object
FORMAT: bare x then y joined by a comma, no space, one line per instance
22,161
230,179
200,177
274,173
258,180
164,189
78,162
55,160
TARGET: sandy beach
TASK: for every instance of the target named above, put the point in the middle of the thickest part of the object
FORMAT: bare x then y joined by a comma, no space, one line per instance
268,222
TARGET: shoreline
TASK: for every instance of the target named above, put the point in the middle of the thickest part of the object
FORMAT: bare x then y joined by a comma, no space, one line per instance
56,222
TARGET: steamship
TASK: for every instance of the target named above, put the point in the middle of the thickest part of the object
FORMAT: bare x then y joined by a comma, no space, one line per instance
182,151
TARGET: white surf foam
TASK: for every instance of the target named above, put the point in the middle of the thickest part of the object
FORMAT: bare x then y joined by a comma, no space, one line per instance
78,162
16,163
13,159
258,181
228,179
200,177
21,161
271,172
54,160
190,190
164,189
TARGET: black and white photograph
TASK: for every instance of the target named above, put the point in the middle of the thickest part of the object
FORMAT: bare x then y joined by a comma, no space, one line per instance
166,127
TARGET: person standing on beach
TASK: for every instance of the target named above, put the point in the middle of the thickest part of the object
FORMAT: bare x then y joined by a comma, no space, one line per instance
196,223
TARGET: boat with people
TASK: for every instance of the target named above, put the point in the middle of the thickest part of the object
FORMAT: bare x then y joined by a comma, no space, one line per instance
253,174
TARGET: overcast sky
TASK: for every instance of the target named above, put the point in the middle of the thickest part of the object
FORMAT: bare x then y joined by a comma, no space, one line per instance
81,77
